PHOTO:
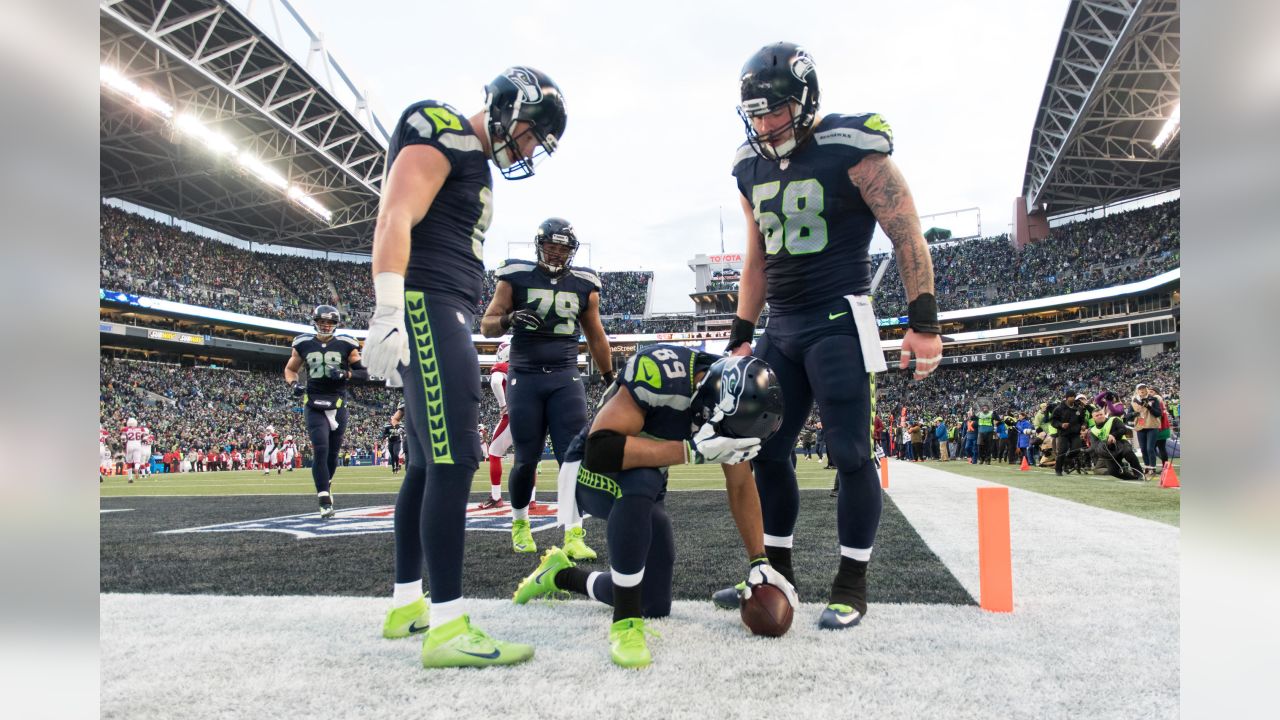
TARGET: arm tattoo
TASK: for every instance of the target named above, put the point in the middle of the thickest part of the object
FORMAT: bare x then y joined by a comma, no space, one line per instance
886,193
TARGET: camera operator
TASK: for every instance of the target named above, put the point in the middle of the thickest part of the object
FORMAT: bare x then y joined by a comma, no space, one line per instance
1109,443
1068,420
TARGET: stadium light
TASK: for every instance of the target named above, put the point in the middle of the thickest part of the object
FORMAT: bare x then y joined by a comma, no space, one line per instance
191,126
1170,127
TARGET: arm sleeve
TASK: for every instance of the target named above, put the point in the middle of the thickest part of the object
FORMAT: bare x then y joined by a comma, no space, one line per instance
496,381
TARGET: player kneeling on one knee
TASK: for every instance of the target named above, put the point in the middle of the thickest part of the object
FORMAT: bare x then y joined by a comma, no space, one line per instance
671,405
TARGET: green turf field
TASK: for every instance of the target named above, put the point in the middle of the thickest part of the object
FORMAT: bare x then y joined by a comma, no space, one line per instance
1145,499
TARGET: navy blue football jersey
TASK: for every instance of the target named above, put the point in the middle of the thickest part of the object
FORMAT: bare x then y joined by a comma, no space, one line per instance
446,255
660,379
321,358
815,224
559,301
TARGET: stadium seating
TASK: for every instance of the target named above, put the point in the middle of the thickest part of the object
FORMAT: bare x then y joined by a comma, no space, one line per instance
1083,255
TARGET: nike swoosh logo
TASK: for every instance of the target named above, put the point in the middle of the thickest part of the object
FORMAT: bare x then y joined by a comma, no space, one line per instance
487,656
414,629
844,619
538,579
831,316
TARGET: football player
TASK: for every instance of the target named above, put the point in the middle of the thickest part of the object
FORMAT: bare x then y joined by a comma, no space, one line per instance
428,272
671,405
813,188
269,437
545,305
145,451
290,452
392,435
329,360
104,452
132,435
500,442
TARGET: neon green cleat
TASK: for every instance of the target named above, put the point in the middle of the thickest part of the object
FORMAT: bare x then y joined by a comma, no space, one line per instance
458,644
522,537
627,647
407,620
542,581
575,544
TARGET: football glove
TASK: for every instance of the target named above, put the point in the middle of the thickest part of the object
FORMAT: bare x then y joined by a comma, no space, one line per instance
762,573
299,388
526,319
707,447
387,346
336,373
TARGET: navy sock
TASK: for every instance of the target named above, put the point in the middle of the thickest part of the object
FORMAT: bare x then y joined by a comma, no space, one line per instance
573,579
850,585
626,602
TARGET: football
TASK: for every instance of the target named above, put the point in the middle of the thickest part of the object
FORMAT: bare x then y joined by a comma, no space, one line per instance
767,611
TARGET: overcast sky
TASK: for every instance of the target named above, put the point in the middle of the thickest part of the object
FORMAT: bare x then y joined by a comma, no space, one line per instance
651,90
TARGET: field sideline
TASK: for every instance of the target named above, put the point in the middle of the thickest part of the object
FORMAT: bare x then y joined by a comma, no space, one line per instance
1145,500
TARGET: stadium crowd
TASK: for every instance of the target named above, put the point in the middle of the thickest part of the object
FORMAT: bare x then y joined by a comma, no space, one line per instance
205,408
1084,255
147,257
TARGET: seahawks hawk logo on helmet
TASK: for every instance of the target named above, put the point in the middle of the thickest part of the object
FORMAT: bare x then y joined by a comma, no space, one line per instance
524,80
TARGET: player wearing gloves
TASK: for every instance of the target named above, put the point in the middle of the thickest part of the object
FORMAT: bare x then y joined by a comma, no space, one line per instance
428,273
329,360
671,405
812,189
546,305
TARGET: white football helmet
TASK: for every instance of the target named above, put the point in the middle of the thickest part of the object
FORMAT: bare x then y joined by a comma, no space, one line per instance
131,422
271,428
288,438
504,352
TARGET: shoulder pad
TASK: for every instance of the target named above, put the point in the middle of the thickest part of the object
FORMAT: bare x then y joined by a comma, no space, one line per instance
347,338
744,152
868,132
436,122
303,338
587,274
512,267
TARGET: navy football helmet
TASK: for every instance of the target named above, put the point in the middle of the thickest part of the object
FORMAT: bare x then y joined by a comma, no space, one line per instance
325,320
777,76
556,244
522,95
747,391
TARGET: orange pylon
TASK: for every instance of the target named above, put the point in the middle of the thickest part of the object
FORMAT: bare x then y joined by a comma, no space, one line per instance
884,472
1025,467
1169,478
995,557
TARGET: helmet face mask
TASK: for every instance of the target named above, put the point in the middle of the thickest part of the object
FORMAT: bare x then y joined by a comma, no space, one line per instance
522,105
325,321
779,76
556,245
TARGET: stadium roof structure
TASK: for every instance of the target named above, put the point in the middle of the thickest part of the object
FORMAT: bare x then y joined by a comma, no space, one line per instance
235,132
1112,89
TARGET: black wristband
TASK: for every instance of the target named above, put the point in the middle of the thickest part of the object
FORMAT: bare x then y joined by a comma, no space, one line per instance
505,321
922,314
608,378
741,331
